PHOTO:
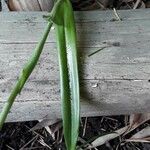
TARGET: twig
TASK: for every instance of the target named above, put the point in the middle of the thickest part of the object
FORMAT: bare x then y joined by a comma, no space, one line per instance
34,132
116,14
38,147
10,147
97,51
136,4
100,4
84,128
41,141
28,142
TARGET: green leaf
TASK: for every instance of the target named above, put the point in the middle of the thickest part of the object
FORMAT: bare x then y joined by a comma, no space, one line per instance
67,51
63,17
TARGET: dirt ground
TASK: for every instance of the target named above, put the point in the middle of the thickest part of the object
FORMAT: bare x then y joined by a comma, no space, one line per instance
15,136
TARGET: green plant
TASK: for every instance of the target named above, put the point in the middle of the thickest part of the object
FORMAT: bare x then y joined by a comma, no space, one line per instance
63,19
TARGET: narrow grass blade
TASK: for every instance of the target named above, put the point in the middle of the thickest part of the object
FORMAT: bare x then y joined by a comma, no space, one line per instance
71,45
67,51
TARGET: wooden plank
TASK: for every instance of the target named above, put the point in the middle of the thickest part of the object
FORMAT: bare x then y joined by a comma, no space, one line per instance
84,16
41,98
113,81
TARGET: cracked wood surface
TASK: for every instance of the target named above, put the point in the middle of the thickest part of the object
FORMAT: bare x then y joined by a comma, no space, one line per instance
114,81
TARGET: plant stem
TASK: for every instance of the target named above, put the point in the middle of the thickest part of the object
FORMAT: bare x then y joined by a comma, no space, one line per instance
27,70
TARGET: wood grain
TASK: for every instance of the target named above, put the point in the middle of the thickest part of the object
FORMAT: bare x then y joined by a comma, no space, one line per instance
28,5
114,81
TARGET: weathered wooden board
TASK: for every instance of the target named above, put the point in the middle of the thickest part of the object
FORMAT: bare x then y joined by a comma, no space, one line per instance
114,81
